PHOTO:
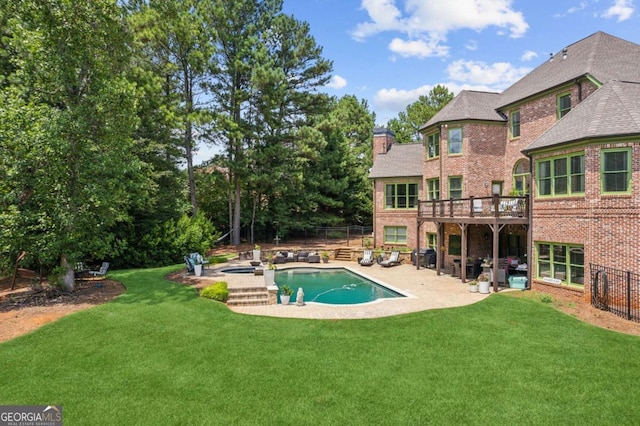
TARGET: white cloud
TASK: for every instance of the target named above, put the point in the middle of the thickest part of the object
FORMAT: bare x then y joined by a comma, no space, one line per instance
574,9
426,23
498,75
471,45
389,102
621,9
528,55
337,82
417,48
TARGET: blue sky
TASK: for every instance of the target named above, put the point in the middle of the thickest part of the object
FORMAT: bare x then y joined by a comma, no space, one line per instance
390,52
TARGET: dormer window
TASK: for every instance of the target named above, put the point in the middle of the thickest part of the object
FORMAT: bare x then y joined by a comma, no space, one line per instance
514,123
564,104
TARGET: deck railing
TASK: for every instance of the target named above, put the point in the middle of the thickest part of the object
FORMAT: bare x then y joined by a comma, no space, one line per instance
497,206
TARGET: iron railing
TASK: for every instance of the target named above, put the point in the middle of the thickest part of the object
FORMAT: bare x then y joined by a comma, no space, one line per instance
616,291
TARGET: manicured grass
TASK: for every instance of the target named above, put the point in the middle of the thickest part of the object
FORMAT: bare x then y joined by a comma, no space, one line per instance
160,355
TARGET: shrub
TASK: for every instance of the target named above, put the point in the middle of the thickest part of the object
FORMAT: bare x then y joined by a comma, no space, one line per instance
217,291
546,298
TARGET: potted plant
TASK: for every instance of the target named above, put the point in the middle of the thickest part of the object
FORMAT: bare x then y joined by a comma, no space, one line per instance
198,262
256,252
483,283
325,256
285,294
473,286
270,275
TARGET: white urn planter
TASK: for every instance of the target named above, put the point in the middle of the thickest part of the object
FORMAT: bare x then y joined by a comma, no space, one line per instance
197,269
256,255
483,287
284,299
473,288
269,277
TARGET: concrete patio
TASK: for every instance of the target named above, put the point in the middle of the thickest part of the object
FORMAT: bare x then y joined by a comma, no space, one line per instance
425,289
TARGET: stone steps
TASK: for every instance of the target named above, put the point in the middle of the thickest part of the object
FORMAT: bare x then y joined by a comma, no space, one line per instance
343,254
248,296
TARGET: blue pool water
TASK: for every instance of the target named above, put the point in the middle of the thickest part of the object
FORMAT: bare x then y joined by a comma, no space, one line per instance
337,286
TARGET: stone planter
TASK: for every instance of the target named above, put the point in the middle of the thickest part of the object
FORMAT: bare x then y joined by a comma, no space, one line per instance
483,287
473,288
269,277
197,269
284,299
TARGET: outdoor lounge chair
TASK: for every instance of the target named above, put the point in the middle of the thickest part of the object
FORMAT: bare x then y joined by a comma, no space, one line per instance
368,259
393,260
102,271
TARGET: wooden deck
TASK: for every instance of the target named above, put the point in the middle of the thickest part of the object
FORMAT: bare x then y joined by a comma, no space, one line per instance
480,210
496,212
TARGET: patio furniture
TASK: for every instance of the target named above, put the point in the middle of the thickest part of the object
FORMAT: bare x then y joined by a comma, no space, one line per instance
368,259
313,258
189,263
102,271
393,260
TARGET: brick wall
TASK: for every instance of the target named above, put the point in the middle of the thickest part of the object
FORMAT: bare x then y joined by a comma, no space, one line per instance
394,217
606,225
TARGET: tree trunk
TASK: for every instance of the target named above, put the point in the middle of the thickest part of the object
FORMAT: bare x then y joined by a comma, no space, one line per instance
236,213
188,140
68,277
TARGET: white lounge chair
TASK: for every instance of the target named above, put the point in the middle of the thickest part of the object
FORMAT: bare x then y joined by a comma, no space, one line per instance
102,272
393,260
368,259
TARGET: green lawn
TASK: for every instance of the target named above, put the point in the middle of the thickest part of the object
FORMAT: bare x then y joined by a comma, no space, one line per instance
160,355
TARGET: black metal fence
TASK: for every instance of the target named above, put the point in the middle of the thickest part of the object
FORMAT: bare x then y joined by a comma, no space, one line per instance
616,291
348,235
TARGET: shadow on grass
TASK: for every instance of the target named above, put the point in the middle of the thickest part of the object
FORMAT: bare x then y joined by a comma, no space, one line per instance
148,286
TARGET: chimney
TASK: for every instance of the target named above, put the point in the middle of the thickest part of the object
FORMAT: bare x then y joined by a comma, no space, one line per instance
383,138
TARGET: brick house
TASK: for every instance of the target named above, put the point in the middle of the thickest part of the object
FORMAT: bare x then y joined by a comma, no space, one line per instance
546,172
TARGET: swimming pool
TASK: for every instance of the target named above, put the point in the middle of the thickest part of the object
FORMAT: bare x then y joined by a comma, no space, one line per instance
336,286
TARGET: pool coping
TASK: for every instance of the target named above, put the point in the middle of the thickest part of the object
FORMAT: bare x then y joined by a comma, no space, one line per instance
428,291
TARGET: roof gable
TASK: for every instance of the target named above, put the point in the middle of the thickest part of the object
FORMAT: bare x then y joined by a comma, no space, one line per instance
600,55
402,160
612,110
468,105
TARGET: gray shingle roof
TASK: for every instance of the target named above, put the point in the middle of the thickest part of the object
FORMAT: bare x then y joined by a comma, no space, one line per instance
600,55
468,105
402,160
612,110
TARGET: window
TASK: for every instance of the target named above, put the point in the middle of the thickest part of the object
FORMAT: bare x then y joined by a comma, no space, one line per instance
616,170
455,245
432,241
561,262
560,176
521,178
564,104
433,189
514,121
395,234
455,141
433,145
401,195
455,187
496,187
